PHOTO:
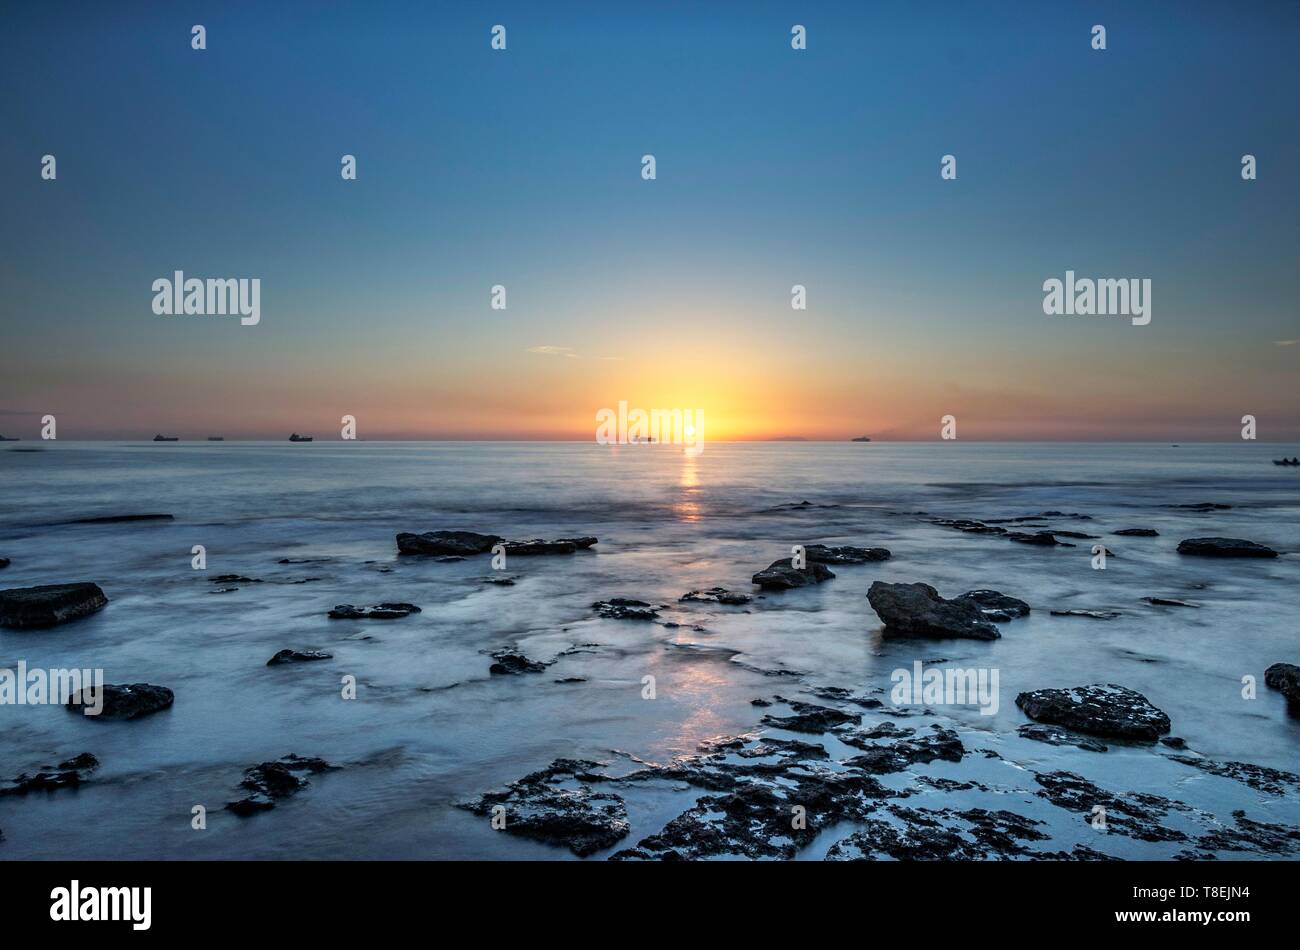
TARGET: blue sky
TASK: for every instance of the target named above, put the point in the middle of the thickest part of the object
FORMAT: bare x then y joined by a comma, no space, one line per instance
775,167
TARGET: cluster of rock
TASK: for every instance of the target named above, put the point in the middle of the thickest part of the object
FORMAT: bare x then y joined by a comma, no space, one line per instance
271,782
918,610
47,778
469,543
394,611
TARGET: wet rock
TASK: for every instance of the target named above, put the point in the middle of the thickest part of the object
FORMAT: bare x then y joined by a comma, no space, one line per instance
845,554
47,778
233,579
1261,837
1137,532
1100,710
4,562
1054,736
1224,547
459,543
1203,506
510,663
995,605
1259,777
120,519
30,608
298,656
938,743
1132,814
1174,742
1169,602
123,702
537,546
968,526
783,575
1041,538
841,695
1091,614
377,612
1077,535
625,608
540,807
809,717
976,834
716,595
270,782
917,610
760,702
1284,677
501,580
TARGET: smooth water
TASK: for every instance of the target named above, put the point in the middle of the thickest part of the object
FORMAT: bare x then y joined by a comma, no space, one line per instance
429,725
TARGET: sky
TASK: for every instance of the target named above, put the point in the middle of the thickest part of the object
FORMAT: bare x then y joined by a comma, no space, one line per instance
775,167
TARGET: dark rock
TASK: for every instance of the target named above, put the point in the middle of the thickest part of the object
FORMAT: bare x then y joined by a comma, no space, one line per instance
917,610
1204,506
1137,532
948,835
1259,836
995,605
940,743
298,656
1169,602
1091,614
537,807
119,519
716,595
29,608
1224,547
272,781
69,774
1041,538
1100,710
1133,814
1174,742
1284,677
4,562
501,580
1259,777
625,608
783,575
509,663
123,702
810,717
1053,736
377,612
233,579
459,543
845,554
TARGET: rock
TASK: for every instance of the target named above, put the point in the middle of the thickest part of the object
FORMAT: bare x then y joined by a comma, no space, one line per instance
29,608
67,774
1174,742
377,612
1259,777
1137,532
233,579
1284,677
537,807
446,542
939,743
1053,736
298,656
917,610
1224,547
558,546
272,781
1132,814
4,562
1100,710
1204,506
995,605
783,575
509,663
810,717
1041,538
845,554
625,608
501,580
716,595
1169,602
1092,614
119,519
123,702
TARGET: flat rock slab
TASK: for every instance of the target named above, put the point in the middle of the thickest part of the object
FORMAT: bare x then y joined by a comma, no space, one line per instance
716,595
123,702
377,612
460,543
995,605
783,575
29,608
845,554
625,608
1099,710
1137,533
1224,547
917,610
298,656
1090,614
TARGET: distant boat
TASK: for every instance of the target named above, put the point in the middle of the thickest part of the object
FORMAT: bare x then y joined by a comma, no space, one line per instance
216,438
1285,461
166,438
862,438
299,438
5,438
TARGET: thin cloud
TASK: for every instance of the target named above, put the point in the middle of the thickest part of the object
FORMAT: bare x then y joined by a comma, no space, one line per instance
554,351
1285,342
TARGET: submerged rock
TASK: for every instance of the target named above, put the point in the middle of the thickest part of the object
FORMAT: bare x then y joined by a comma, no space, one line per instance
47,778
123,702
1054,736
446,542
271,781
1100,710
995,605
917,610
809,717
298,656
1224,547
4,562
716,595
625,608
975,834
1091,614
783,575
1132,814
558,546
537,807
1169,602
30,608
1041,538
510,662
845,554
1137,532
1284,677
377,612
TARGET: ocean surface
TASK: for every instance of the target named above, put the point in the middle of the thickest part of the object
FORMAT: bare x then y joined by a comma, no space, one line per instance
430,727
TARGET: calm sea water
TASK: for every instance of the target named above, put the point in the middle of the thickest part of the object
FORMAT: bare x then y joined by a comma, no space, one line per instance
430,726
